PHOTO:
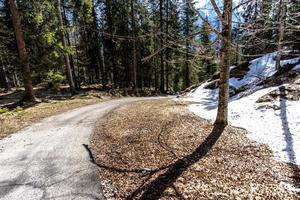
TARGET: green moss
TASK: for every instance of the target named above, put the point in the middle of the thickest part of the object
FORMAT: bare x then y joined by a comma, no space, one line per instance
3,110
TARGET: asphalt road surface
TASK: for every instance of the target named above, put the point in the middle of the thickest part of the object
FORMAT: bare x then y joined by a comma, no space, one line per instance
48,160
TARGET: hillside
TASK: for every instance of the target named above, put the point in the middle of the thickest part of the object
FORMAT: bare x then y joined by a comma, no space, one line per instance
263,100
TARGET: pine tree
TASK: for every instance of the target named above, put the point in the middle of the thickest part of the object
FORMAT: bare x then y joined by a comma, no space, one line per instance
133,70
207,62
23,55
189,19
161,36
7,42
66,55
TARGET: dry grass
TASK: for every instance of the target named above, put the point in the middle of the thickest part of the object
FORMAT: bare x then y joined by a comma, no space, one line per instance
15,120
163,136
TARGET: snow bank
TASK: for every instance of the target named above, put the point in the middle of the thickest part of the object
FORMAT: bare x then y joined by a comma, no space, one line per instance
279,129
260,69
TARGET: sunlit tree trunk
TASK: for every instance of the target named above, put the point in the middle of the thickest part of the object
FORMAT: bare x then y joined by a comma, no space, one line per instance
23,55
66,56
222,116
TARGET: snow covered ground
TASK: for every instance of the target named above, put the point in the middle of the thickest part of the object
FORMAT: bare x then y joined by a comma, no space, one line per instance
279,129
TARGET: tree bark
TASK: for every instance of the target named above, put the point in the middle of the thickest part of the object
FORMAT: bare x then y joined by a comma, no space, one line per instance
100,59
111,44
72,63
162,68
222,116
167,50
134,59
3,76
66,56
281,32
23,55
187,46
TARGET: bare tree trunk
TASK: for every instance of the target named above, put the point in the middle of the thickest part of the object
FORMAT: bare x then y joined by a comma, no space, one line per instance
187,46
66,56
103,69
187,68
134,64
3,76
167,50
222,116
162,68
23,55
282,11
111,43
78,79
155,62
237,56
100,60
72,63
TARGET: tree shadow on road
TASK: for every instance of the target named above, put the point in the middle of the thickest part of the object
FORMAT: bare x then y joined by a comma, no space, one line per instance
155,189
288,137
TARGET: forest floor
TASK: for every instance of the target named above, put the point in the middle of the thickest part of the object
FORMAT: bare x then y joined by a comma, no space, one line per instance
160,150
13,120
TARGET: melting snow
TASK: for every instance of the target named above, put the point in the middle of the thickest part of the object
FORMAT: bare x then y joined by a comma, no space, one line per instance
279,129
260,69
297,67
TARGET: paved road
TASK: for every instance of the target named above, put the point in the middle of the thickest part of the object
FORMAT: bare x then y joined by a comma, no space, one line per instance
48,160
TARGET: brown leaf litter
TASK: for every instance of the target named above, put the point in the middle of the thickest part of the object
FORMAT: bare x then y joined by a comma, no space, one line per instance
158,150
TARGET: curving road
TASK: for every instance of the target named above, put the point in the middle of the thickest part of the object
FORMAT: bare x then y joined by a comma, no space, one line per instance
48,160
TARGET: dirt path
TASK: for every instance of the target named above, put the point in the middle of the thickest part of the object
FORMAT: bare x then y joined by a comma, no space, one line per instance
48,160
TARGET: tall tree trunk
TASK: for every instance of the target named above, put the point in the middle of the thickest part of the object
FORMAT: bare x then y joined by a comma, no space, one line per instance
111,43
187,47
23,55
134,59
103,69
78,79
237,56
100,62
155,63
222,116
282,11
167,50
162,68
66,56
187,68
3,76
72,63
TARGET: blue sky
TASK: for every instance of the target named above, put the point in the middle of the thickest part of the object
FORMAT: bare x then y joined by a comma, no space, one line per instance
201,4
206,9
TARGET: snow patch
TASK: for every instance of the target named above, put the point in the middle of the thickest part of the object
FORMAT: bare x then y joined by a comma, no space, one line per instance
278,128
297,67
260,69
289,187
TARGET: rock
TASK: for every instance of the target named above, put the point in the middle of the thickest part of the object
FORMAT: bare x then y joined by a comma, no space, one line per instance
268,106
290,92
